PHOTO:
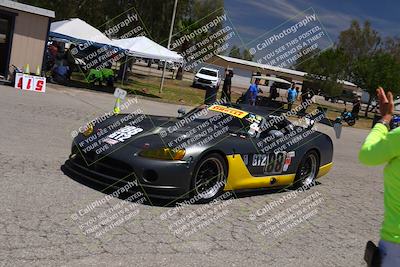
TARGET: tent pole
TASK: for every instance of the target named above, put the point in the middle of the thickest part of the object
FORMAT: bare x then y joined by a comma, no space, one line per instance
123,74
169,44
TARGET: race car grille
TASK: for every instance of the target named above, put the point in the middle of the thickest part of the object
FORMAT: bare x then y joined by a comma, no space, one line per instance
106,166
204,81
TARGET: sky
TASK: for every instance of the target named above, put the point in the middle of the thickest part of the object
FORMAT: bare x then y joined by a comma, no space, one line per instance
253,18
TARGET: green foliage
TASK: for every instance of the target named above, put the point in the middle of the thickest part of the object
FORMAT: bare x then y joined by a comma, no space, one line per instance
236,53
357,42
326,69
247,55
380,69
155,14
392,46
359,57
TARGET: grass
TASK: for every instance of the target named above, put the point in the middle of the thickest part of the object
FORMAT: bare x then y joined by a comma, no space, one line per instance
174,91
334,112
181,92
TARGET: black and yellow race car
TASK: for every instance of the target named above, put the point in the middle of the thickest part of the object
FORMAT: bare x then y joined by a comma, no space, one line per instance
204,152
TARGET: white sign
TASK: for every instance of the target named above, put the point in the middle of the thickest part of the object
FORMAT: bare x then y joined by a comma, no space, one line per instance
30,82
119,93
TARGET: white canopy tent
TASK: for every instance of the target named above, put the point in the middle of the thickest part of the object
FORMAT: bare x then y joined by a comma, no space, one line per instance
78,29
75,29
146,48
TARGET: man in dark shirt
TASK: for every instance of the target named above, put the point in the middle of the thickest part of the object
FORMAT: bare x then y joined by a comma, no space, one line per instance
356,107
226,89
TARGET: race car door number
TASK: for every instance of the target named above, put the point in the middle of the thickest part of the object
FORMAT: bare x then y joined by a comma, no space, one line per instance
271,163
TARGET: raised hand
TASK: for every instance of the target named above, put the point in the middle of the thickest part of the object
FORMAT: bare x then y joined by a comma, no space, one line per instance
386,104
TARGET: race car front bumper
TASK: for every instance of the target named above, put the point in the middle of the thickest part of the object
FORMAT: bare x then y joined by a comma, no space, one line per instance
156,178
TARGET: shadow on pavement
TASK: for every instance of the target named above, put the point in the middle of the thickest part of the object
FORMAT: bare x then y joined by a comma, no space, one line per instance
159,202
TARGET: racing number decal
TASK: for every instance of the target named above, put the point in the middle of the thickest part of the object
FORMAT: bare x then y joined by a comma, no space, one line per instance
271,163
275,162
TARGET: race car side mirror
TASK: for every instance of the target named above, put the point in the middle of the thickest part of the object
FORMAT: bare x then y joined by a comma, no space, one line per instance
337,126
181,112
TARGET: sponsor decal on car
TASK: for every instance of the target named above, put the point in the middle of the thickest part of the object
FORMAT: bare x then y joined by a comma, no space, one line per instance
122,134
231,111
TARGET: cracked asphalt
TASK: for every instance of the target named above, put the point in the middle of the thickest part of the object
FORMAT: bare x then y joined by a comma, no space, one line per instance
38,202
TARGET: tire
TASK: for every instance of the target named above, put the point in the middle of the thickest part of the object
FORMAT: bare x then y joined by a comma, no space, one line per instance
308,170
209,178
338,120
351,122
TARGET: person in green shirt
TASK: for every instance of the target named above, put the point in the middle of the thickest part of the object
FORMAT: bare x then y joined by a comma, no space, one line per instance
382,146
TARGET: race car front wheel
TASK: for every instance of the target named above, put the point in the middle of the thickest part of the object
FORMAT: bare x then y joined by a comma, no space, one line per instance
307,170
210,177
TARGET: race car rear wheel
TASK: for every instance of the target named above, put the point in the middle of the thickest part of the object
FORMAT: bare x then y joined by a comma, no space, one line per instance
210,177
307,170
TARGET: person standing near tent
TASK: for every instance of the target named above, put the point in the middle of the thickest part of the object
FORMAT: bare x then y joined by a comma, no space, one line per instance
273,92
226,89
305,97
291,96
252,92
382,146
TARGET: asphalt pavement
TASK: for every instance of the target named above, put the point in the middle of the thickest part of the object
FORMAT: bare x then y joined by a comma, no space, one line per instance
49,219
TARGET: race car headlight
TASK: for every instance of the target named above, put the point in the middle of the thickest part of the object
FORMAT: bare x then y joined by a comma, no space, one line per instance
164,153
196,78
88,130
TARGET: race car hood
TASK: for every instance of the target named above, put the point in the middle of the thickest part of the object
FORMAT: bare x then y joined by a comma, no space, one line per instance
137,133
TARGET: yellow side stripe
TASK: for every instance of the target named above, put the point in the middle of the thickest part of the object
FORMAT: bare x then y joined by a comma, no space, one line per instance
239,176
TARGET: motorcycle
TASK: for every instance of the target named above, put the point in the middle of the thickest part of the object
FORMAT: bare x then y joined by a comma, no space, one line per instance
346,116
395,123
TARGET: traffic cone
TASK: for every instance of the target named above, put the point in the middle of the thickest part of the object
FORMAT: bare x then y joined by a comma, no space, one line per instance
38,70
27,69
117,106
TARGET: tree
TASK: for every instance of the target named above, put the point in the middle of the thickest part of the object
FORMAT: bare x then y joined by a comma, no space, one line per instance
392,46
381,69
196,16
155,14
246,55
326,69
306,58
358,42
359,57
235,52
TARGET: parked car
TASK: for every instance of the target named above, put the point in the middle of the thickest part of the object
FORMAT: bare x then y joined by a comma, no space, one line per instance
207,77
170,65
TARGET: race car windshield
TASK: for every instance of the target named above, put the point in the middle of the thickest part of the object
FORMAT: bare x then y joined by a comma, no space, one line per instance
239,121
